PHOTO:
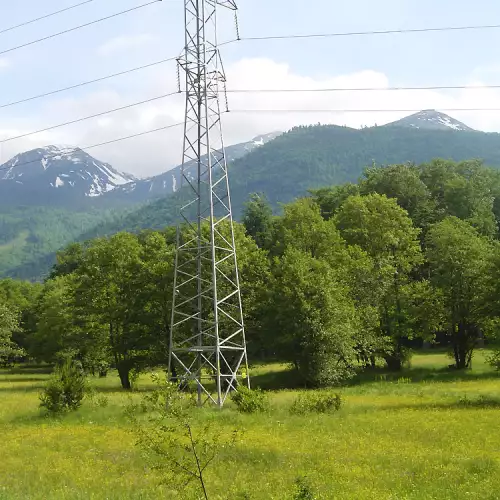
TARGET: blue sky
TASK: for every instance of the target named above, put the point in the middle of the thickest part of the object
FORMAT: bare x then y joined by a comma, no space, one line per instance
156,32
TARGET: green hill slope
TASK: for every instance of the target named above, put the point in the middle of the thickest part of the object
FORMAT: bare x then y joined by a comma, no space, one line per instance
306,158
29,236
312,157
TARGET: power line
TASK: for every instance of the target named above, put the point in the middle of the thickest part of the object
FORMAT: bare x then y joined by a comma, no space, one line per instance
78,120
366,33
46,16
96,21
83,84
152,99
112,141
249,91
356,110
364,89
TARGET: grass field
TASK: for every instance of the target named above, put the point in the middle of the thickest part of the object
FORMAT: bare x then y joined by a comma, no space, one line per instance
427,433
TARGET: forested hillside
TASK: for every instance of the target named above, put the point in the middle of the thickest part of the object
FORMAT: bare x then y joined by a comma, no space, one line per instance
302,159
29,236
310,157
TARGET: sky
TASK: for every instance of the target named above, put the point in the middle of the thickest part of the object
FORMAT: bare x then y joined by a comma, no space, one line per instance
156,32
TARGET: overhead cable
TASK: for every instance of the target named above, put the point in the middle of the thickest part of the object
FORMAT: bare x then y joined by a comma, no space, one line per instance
26,23
96,21
84,148
250,91
357,110
369,33
363,89
84,118
83,84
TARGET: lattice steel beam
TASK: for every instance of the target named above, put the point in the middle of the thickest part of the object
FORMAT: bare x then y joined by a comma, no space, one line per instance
207,335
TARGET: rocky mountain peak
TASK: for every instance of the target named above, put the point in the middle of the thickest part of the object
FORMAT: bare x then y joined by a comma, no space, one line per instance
430,119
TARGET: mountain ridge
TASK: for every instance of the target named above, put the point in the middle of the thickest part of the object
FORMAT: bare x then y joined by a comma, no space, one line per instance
57,175
66,176
306,157
430,119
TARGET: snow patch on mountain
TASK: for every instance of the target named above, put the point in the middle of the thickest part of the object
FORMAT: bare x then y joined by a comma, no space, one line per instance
64,168
430,119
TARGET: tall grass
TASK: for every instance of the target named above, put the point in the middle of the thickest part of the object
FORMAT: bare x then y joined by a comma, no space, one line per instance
397,436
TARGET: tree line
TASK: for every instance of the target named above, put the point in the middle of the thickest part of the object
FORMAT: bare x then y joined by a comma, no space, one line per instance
346,278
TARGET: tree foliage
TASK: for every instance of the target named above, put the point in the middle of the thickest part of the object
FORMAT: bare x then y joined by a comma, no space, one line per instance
9,351
458,259
349,276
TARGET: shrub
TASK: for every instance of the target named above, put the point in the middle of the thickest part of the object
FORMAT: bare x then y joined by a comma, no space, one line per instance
65,390
96,399
481,401
319,402
174,439
303,490
494,359
250,401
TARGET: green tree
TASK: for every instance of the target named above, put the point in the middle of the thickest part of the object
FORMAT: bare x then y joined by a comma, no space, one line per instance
315,319
258,220
385,232
330,199
66,330
68,260
403,183
9,351
56,321
458,259
108,297
255,275
463,190
303,228
21,297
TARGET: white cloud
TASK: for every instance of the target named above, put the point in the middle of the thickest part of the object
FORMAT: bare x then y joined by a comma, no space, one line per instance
124,43
4,63
156,152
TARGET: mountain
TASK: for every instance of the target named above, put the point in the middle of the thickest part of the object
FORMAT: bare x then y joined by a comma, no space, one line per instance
288,166
309,157
430,119
141,190
50,196
69,177
57,175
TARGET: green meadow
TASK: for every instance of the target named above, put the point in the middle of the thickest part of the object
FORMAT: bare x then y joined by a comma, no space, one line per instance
426,433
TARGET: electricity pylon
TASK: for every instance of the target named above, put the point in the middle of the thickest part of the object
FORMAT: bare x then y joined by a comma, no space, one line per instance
207,335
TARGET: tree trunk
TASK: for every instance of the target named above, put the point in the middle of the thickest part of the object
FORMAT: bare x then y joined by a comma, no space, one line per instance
460,348
394,363
103,373
394,360
124,374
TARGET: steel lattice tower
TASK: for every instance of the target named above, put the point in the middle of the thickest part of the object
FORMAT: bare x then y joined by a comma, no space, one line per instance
207,336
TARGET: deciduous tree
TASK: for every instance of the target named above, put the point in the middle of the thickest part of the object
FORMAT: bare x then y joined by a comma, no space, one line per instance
458,259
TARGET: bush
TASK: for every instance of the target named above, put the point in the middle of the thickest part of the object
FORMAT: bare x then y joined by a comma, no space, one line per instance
96,399
319,402
65,390
494,359
482,401
303,490
250,401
